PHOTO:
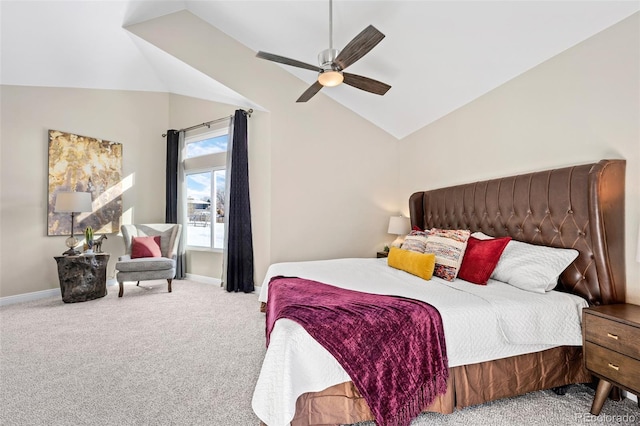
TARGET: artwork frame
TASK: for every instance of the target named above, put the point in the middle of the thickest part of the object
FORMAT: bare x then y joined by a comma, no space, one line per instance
85,164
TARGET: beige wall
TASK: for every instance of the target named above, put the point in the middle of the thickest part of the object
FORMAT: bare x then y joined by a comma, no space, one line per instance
135,119
323,180
332,175
578,107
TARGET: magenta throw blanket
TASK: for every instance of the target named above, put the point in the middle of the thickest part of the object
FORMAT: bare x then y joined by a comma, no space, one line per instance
393,348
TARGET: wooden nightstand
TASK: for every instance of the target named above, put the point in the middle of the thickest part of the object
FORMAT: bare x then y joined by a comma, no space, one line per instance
611,338
382,254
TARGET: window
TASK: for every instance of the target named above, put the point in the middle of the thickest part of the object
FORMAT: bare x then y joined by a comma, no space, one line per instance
212,145
204,176
205,208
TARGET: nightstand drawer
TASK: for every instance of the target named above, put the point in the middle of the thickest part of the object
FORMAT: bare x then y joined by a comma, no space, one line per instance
614,335
614,366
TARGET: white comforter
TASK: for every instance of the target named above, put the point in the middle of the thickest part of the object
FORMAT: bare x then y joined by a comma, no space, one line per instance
481,323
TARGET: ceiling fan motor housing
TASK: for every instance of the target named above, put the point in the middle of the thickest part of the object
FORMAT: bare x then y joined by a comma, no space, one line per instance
326,58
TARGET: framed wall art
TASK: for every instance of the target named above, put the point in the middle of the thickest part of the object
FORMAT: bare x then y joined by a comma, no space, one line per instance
85,164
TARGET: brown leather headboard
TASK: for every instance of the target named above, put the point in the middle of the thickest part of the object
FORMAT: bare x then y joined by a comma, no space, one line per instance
579,207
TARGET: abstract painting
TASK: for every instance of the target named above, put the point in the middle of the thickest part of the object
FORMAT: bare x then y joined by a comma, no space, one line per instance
85,164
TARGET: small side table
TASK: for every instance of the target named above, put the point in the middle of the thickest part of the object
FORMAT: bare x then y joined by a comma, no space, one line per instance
611,341
381,254
82,277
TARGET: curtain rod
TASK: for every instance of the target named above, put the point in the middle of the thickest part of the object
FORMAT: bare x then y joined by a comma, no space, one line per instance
209,123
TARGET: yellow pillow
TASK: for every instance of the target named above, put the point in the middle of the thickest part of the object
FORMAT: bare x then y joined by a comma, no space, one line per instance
418,264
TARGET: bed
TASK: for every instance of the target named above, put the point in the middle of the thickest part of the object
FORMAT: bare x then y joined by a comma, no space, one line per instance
579,207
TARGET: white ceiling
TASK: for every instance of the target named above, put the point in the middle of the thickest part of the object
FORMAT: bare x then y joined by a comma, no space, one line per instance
437,55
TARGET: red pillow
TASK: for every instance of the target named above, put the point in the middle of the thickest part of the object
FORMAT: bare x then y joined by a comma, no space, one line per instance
480,259
145,247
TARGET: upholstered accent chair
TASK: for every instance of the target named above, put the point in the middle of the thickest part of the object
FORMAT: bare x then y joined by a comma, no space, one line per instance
149,268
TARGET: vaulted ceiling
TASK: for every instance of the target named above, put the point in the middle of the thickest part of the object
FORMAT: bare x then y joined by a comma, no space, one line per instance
437,55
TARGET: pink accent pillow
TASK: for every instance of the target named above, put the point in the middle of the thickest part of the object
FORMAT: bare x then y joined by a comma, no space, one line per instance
481,258
145,247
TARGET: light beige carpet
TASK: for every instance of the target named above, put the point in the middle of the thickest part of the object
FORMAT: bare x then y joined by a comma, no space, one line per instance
190,357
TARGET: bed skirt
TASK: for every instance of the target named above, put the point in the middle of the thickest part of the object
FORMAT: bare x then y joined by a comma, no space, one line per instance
467,385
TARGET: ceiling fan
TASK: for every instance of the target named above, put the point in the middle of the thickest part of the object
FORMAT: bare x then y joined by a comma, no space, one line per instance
333,62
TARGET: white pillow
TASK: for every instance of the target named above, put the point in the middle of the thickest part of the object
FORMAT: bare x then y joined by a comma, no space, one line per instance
531,267
482,236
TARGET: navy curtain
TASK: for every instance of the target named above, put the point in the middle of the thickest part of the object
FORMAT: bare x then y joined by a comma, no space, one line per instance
239,256
171,205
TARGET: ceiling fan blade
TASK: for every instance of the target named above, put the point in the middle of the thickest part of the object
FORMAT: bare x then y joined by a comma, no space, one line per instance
365,83
310,92
287,61
359,46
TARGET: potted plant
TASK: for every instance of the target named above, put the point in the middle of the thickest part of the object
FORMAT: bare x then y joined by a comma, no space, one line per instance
88,238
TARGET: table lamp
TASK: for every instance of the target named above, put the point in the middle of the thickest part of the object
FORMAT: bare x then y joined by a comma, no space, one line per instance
400,226
72,202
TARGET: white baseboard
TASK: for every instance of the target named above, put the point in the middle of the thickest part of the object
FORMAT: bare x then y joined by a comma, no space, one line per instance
28,297
203,279
55,292
217,281
629,395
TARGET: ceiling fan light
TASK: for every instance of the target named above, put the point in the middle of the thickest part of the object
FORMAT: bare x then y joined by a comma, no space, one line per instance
330,78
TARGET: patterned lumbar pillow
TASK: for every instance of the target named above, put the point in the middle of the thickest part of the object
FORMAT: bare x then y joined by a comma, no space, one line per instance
415,241
449,246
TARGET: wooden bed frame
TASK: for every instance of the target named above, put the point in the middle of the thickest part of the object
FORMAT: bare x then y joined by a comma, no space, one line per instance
579,207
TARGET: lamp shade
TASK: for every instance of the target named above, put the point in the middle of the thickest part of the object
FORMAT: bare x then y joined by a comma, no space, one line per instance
73,202
399,225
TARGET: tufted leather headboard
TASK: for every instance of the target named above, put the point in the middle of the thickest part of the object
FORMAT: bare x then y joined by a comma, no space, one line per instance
580,207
